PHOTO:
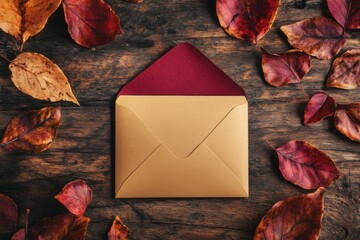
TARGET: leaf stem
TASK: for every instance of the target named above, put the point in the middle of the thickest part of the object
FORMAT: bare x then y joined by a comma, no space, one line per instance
3,56
27,222
266,141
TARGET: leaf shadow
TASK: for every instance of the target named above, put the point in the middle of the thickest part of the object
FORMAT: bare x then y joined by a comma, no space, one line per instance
211,7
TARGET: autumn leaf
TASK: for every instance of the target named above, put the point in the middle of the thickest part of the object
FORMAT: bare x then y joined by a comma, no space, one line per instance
37,76
8,212
347,120
22,233
24,19
346,12
247,19
320,37
118,230
345,71
289,67
75,196
19,235
294,218
91,23
319,107
306,166
32,131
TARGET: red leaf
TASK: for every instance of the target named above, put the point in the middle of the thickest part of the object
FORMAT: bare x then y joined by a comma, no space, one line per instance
346,12
320,37
306,166
347,120
319,107
247,19
19,235
32,131
118,230
345,71
75,196
289,67
294,218
91,22
8,212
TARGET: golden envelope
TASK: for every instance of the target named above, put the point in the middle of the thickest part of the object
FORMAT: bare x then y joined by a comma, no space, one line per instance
181,145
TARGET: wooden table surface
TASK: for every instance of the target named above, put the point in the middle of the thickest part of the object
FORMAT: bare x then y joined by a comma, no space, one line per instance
84,147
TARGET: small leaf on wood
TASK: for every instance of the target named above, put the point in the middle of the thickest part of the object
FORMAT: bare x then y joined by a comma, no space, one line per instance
319,107
345,71
8,212
346,12
75,196
247,19
306,166
289,67
91,22
118,230
37,76
320,37
294,218
32,131
347,120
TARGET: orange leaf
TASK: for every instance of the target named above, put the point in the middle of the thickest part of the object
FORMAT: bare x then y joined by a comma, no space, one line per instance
347,120
118,230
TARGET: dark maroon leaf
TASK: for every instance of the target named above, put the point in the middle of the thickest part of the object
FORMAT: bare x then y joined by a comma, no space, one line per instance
8,212
346,12
319,107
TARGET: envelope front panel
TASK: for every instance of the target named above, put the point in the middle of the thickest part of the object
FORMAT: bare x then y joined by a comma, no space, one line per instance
181,146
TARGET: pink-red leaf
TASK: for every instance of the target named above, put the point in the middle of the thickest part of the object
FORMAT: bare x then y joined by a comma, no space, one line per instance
8,212
91,23
75,196
347,120
319,107
247,19
306,166
19,235
345,71
346,12
289,67
320,37
294,218
118,230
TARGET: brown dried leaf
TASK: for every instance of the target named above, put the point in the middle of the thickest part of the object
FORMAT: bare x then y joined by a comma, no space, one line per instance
294,218
24,19
346,12
347,120
320,37
118,230
289,67
32,131
8,212
319,107
39,77
345,71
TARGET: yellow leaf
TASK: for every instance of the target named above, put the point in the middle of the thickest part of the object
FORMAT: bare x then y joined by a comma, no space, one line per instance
37,76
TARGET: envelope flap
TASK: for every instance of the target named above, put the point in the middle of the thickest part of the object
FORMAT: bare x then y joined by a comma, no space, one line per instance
181,123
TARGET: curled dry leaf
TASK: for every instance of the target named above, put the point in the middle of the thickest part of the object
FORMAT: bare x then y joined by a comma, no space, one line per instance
75,196
37,76
289,67
24,19
347,120
294,218
8,212
319,107
345,71
118,230
247,19
306,166
91,22
32,131
320,37
346,12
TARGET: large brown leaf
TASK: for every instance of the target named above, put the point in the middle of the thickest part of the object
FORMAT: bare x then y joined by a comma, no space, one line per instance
306,166
320,37
345,71
91,22
32,131
294,218
319,107
346,12
8,212
23,19
247,19
37,76
118,230
289,67
347,120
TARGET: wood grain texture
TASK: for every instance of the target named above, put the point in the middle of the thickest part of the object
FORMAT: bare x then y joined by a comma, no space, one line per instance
84,147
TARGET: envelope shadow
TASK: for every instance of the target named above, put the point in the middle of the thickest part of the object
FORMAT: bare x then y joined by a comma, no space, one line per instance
112,140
